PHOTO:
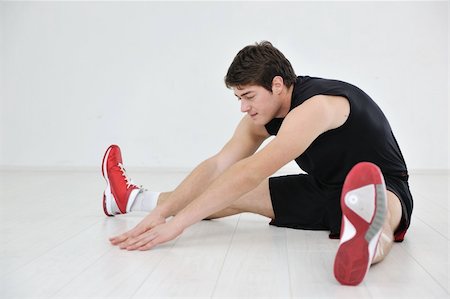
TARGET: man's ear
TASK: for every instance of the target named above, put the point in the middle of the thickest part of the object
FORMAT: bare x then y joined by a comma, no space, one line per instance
277,85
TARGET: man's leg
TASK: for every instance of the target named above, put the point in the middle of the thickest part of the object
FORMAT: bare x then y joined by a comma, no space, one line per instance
365,208
393,217
122,196
256,201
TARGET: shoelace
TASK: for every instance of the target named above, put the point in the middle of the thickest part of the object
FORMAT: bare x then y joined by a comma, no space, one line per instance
127,179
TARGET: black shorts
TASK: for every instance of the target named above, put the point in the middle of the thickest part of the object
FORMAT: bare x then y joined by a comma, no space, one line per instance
301,202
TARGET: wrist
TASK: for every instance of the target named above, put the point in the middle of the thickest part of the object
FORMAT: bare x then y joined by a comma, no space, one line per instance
163,210
178,223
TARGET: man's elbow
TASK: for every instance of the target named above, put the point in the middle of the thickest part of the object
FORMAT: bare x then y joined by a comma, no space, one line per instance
250,174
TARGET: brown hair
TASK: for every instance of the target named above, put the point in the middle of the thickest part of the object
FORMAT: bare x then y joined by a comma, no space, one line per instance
258,64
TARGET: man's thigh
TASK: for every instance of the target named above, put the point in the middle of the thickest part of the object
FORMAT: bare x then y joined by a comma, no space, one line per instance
300,202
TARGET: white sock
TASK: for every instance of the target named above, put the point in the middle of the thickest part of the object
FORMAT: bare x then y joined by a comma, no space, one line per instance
145,201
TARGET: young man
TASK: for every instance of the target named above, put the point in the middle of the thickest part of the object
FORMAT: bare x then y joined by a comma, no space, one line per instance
356,184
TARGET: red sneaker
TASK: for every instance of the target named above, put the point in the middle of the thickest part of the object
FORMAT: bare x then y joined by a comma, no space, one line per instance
120,191
364,206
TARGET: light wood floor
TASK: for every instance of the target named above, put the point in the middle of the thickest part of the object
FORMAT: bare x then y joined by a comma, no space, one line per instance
54,244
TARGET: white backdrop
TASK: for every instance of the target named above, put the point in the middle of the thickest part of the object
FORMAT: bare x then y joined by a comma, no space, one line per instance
77,76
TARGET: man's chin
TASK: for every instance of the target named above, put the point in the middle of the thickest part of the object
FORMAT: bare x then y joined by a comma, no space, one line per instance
260,121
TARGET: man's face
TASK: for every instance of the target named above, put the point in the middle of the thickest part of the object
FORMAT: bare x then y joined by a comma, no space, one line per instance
259,104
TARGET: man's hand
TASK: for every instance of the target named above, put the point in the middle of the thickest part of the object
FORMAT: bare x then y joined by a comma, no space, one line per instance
159,234
150,221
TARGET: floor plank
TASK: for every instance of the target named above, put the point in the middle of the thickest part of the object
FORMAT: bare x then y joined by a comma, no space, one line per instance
256,264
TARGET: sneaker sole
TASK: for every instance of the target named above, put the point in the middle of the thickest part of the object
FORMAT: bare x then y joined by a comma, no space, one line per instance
364,205
107,195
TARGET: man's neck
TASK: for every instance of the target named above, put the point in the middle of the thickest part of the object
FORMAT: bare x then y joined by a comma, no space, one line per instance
286,98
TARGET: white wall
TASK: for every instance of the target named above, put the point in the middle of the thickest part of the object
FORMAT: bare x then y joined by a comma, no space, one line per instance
78,76
2,98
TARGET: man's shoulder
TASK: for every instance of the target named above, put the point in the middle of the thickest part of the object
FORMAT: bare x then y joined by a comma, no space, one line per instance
329,111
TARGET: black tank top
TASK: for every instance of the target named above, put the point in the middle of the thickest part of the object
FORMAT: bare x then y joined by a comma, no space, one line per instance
365,136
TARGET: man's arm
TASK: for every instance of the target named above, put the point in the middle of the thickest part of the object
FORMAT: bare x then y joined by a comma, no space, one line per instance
300,128
245,141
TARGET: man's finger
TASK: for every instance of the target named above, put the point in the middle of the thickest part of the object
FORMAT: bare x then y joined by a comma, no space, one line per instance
138,230
148,246
117,239
128,242
142,241
131,241
120,238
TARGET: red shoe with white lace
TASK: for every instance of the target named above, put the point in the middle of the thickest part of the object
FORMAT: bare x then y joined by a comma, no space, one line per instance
364,207
120,191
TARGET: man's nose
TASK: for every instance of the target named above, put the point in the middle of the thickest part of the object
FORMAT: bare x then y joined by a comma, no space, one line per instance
245,107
